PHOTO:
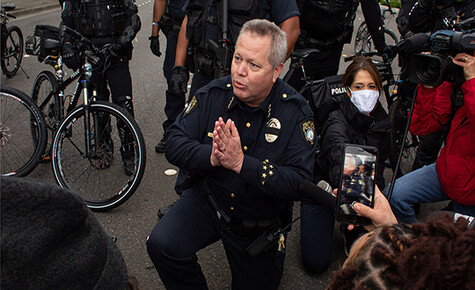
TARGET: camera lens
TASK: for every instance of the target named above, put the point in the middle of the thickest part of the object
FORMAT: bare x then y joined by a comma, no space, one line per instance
429,71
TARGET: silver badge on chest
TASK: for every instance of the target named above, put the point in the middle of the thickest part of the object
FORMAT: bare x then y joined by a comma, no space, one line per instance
272,130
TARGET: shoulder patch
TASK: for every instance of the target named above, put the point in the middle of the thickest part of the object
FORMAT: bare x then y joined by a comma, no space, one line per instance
191,106
308,131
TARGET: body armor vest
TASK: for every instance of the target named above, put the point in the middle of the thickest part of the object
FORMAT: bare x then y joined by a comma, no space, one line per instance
99,18
206,19
327,23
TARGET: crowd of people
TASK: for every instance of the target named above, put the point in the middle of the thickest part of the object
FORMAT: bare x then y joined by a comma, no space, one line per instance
246,140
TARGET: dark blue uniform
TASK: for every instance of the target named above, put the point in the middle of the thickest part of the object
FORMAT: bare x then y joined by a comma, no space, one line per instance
278,141
174,103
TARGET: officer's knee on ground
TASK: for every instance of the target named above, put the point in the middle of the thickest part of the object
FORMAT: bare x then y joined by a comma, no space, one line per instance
316,265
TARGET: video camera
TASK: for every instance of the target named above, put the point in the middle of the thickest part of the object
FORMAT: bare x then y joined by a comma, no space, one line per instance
435,68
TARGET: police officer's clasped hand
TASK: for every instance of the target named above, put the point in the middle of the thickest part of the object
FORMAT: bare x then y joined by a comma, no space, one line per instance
70,57
179,80
155,45
227,150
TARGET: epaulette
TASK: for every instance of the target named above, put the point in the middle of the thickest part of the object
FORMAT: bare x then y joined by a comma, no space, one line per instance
224,84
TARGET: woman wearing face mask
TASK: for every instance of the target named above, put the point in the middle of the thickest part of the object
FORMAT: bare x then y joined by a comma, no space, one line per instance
361,120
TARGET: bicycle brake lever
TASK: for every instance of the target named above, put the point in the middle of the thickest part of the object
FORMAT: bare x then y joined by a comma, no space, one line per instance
94,59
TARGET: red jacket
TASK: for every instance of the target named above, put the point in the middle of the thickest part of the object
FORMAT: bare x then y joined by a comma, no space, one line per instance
456,162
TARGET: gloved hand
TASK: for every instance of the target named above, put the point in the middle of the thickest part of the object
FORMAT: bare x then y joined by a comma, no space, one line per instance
389,52
155,45
70,57
116,46
179,80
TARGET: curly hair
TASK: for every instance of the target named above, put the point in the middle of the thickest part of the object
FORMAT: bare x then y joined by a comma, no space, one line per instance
439,254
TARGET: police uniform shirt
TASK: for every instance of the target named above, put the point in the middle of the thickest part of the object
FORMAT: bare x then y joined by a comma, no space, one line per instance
277,139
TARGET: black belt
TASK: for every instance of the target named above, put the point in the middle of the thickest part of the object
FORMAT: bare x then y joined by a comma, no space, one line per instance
252,228
245,228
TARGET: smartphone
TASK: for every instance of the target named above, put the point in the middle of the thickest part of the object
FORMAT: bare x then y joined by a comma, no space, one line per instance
357,182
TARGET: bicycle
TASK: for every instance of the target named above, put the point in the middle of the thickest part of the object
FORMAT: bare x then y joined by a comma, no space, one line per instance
88,138
363,39
11,43
21,123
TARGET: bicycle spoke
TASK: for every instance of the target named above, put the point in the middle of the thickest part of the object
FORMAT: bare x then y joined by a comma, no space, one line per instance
97,173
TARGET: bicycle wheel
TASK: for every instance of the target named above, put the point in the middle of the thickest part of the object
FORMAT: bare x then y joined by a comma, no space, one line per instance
13,53
390,38
361,38
398,116
43,87
19,154
98,173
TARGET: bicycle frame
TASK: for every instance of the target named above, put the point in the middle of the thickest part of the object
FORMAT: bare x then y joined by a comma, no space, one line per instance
83,74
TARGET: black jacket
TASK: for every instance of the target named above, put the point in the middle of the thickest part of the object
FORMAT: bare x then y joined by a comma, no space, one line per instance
348,126
425,17
330,23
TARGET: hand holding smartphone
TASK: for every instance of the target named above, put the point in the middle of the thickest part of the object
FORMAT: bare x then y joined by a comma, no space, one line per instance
357,182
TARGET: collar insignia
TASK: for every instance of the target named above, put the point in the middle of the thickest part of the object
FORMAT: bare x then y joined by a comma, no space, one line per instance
191,106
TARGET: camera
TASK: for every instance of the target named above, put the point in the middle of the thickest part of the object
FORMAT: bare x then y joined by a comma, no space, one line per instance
435,68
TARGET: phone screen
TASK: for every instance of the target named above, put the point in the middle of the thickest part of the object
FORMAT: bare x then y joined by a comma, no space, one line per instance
357,182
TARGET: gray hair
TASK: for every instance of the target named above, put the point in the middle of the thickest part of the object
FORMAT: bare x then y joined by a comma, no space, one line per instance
265,28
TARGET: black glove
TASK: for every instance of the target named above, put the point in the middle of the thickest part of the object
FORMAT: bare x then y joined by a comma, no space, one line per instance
179,80
116,46
155,45
449,16
389,52
70,57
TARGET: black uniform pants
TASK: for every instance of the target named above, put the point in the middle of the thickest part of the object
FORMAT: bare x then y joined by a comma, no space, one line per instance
175,103
318,66
117,77
191,225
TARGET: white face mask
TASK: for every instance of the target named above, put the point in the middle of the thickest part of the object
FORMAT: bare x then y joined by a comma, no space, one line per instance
364,100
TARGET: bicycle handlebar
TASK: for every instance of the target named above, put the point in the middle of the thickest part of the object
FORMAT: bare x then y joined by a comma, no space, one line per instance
363,53
91,51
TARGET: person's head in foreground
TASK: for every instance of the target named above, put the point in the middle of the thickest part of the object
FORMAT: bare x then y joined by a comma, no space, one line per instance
363,84
439,254
258,60
51,240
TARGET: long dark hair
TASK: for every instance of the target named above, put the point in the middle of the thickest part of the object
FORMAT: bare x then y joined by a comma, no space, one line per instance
362,63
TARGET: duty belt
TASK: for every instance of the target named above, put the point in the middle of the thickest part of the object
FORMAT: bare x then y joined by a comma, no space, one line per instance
246,228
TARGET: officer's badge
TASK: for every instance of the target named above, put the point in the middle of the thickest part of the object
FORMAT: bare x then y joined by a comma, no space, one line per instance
272,130
191,106
308,129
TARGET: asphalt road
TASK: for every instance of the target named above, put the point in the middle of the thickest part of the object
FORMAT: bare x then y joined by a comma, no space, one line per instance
132,222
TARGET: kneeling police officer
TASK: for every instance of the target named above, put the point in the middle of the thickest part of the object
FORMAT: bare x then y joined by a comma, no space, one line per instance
251,138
